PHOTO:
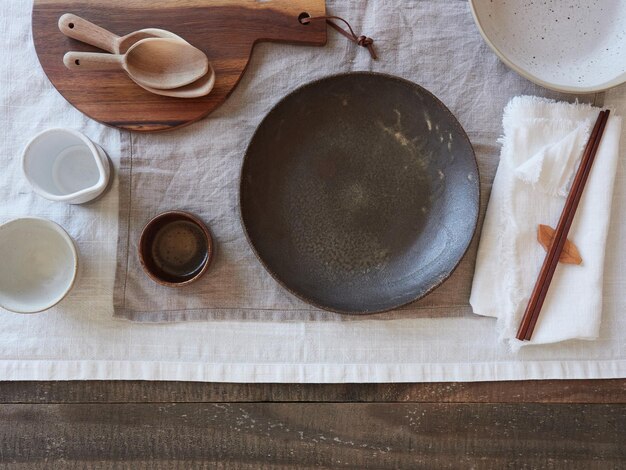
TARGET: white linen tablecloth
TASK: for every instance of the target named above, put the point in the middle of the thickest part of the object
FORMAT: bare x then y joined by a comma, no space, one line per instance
80,339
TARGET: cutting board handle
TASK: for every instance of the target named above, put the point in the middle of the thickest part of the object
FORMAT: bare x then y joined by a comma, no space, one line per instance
291,5
278,20
78,28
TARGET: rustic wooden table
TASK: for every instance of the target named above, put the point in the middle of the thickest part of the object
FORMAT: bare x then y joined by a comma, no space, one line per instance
532,424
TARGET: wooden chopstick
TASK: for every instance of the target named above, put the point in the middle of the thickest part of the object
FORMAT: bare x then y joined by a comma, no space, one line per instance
595,143
531,314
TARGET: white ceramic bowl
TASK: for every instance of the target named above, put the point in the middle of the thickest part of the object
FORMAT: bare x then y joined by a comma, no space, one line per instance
39,265
576,46
65,165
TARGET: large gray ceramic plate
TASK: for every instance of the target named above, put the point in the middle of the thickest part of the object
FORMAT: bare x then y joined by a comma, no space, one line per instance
359,192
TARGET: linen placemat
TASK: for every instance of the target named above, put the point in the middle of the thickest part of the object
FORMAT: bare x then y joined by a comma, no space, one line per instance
197,169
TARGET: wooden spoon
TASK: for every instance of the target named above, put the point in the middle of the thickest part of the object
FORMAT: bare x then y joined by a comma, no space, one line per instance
78,28
155,62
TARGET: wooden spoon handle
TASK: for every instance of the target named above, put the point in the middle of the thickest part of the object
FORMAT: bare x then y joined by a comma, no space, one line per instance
85,31
93,61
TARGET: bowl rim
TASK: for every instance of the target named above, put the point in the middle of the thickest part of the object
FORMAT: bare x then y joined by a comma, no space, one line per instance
69,241
103,173
305,298
618,80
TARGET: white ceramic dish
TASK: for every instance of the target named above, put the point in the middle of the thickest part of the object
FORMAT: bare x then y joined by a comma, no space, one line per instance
39,265
576,46
65,165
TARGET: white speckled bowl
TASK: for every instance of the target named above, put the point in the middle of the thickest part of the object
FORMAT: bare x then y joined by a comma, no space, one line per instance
576,46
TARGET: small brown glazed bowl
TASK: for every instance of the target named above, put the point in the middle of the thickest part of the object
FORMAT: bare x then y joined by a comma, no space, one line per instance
175,248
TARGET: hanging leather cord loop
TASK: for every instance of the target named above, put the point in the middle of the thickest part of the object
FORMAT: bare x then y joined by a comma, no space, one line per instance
361,40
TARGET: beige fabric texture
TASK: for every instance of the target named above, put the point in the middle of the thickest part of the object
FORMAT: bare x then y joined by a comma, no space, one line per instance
197,168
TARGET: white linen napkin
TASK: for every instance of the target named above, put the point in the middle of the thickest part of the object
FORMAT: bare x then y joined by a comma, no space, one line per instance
542,145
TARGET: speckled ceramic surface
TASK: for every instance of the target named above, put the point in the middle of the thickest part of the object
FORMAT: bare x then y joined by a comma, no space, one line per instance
360,192
576,46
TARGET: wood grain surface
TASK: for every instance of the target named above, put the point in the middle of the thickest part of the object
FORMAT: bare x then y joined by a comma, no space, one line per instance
225,30
565,424
314,435
532,391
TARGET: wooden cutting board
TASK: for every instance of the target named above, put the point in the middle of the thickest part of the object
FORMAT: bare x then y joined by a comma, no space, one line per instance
226,30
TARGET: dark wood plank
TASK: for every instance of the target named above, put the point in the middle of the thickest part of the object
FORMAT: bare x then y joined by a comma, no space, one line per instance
225,30
316,435
553,391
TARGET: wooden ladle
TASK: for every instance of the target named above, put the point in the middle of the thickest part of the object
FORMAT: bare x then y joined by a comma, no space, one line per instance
161,63
78,28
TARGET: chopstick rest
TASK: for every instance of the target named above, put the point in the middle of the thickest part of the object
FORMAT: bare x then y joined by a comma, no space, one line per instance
540,290
570,253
